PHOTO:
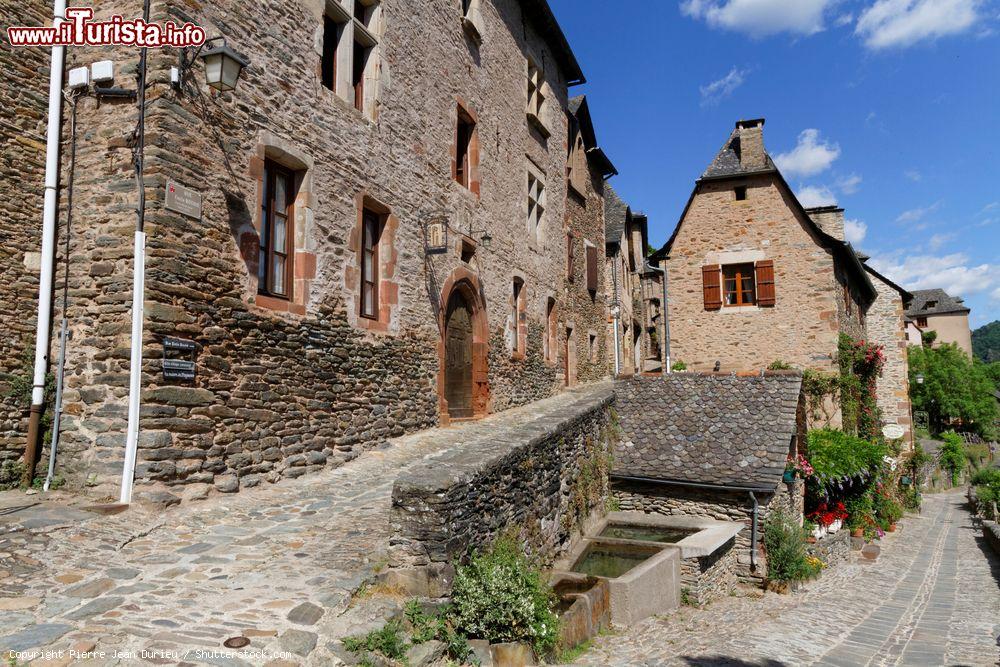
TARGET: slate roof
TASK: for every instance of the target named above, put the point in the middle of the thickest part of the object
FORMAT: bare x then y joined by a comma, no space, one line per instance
727,161
945,305
715,429
615,214
545,21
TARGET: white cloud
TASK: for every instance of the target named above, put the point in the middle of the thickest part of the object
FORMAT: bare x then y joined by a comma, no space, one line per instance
816,195
917,214
902,23
844,19
990,207
855,231
760,18
849,184
938,241
913,175
995,294
951,273
715,92
809,157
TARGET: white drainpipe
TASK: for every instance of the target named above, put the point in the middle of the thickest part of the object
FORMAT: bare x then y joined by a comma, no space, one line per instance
52,145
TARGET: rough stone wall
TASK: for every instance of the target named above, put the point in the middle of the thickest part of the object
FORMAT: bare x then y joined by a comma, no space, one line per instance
833,549
528,479
718,505
285,387
851,313
24,78
585,219
802,327
618,272
710,577
886,327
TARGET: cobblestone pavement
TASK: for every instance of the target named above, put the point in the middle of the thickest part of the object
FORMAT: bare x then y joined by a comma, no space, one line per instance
277,565
932,598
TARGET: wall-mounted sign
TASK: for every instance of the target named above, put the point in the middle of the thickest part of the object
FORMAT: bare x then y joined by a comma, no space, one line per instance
893,431
179,359
183,200
436,236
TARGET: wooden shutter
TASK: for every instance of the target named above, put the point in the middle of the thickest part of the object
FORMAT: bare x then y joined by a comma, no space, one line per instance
592,268
711,277
765,283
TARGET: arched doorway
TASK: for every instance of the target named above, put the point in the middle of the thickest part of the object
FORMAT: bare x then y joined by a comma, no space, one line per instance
458,357
463,375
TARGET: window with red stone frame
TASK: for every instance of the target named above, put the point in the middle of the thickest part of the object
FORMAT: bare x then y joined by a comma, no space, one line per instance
277,233
371,234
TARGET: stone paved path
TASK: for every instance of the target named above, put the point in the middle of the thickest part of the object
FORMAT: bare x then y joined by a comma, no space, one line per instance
933,598
276,564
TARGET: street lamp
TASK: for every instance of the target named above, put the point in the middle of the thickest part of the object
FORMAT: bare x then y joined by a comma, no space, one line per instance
223,66
919,378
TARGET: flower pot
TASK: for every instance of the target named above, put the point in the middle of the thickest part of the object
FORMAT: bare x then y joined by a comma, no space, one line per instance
788,477
858,532
835,526
818,533
892,528
810,540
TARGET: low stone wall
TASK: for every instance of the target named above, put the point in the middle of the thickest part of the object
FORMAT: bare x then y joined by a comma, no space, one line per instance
710,577
832,549
542,478
991,531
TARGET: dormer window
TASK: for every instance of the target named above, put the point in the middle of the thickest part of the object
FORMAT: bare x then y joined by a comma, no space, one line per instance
931,304
741,193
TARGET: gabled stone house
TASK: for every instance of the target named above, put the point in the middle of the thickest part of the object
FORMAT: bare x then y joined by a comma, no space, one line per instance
326,317
935,310
754,276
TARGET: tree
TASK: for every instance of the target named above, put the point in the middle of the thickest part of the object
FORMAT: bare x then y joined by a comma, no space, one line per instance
953,388
986,342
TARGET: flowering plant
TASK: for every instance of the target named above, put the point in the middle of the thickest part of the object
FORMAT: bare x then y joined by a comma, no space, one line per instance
825,513
800,465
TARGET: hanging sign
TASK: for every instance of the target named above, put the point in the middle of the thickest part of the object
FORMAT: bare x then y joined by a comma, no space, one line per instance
893,431
436,236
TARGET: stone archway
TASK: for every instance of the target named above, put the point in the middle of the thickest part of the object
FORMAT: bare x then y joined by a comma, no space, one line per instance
463,349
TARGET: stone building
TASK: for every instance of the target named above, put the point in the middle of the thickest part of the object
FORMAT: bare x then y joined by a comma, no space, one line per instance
711,445
935,310
887,326
755,277
23,114
326,312
635,301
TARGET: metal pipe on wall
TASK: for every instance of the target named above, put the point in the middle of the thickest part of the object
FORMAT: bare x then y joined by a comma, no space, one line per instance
47,269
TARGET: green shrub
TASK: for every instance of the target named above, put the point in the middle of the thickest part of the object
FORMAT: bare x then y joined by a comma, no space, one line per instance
951,457
836,455
785,542
779,365
860,512
425,627
388,641
10,474
500,596
987,483
679,366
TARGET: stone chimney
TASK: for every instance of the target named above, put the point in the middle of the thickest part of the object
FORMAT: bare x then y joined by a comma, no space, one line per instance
752,156
830,219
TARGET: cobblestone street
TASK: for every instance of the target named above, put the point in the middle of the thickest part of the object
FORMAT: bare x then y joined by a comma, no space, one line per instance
279,565
932,599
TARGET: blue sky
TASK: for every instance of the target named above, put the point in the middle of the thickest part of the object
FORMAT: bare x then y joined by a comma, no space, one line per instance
890,108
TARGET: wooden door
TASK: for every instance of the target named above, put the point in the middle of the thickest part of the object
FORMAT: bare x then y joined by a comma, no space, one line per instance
458,358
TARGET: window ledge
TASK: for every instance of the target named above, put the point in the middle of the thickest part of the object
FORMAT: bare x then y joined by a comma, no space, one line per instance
735,310
537,123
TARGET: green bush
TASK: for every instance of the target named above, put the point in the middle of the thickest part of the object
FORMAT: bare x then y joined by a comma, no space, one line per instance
10,474
860,512
987,483
836,455
425,627
500,596
951,457
679,366
779,365
785,542
388,641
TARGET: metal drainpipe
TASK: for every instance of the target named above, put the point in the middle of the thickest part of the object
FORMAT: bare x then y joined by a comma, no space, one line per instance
616,314
47,260
664,317
753,533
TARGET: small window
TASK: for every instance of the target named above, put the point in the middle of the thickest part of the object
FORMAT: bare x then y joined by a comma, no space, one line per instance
536,202
570,256
371,232
468,250
738,285
593,348
464,137
576,162
274,272
332,31
550,330
931,304
472,20
517,317
536,97
361,54
592,269
741,193
922,322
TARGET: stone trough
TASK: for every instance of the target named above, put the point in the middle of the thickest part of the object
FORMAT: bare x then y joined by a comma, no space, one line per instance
639,558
